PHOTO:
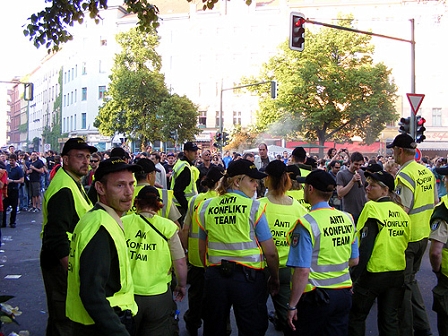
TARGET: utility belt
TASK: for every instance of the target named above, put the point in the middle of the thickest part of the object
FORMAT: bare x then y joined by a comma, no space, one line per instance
228,268
319,296
126,319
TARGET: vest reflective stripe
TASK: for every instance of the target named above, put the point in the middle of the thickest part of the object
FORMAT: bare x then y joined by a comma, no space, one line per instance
314,266
62,180
165,195
282,219
421,182
191,189
84,231
193,231
241,245
149,253
394,230
331,248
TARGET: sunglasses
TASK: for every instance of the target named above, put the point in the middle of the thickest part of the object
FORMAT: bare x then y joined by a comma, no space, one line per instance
93,161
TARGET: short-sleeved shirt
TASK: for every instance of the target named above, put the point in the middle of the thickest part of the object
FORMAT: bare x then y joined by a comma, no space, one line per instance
439,231
14,173
353,202
35,176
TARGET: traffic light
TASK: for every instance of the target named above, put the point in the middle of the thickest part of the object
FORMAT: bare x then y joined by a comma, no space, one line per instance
297,31
274,89
405,125
420,129
173,135
28,91
225,138
218,136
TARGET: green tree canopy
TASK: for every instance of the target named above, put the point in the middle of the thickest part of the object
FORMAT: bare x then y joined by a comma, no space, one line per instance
138,103
49,27
331,90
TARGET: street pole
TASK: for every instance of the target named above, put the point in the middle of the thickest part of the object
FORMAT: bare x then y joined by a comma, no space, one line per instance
413,128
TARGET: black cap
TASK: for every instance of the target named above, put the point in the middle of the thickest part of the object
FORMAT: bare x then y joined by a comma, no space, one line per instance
190,146
147,192
293,171
214,174
120,153
147,165
442,170
113,165
170,154
275,168
244,167
383,177
403,141
77,143
299,152
320,180
372,167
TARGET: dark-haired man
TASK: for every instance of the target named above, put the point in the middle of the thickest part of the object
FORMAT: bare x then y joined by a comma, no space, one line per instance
15,178
350,186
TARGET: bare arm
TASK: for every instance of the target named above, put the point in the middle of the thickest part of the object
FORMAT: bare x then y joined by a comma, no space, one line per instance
342,191
435,255
180,268
299,281
353,262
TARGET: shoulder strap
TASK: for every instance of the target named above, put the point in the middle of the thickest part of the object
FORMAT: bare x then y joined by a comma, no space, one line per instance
155,229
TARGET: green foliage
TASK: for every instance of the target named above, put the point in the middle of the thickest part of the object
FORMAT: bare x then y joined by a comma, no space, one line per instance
138,103
49,27
331,90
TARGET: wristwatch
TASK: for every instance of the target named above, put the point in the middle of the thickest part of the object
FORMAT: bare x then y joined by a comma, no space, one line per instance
291,307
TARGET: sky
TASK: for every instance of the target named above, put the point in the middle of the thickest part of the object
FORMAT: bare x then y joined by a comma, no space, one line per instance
18,56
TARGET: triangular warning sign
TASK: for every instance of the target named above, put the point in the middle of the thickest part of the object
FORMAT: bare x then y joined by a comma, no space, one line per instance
415,99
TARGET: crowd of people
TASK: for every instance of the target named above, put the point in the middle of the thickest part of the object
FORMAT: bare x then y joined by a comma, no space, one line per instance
123,235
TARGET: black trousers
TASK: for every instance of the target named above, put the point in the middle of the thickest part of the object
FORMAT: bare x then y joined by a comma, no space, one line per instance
388,289
12,200
247,296
324,319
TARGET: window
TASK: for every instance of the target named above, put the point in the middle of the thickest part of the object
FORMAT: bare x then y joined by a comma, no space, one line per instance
84,94
76,95
65,100
101,90
68,76
103,42
71,123
83,120
237,117
437,116
71,98
202,120
68,99
63,125
84,68
73,73
74,122
65,77
217,119
76,70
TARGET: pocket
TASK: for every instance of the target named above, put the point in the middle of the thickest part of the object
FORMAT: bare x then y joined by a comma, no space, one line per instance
440,304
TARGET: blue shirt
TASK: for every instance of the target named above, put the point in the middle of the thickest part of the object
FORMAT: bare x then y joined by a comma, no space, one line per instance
301,254
262,230
14,173
226,160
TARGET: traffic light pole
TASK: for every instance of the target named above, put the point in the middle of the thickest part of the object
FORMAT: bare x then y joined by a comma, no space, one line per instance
221,126
411,41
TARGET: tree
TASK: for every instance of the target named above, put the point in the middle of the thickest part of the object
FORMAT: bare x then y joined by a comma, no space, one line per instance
49,27
137,102
331,90
241,139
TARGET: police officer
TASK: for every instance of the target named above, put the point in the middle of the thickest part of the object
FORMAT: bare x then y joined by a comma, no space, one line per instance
384,230
184,176
154,247
100,288
65,202
282,213
190,239
416,186
234,240
438,256
323,246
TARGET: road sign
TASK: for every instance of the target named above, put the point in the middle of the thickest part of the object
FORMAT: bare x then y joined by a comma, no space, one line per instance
415,99
418,155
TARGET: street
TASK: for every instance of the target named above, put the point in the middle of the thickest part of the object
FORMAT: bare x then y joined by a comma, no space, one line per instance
20,276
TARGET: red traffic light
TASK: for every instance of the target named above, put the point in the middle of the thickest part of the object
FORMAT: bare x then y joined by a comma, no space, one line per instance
299,21
421,121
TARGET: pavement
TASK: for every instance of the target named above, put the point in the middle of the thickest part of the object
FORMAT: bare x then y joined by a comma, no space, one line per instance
20,276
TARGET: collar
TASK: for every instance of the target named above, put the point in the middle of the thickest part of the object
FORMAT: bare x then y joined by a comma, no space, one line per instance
112,213
237,192
74,177
321,205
